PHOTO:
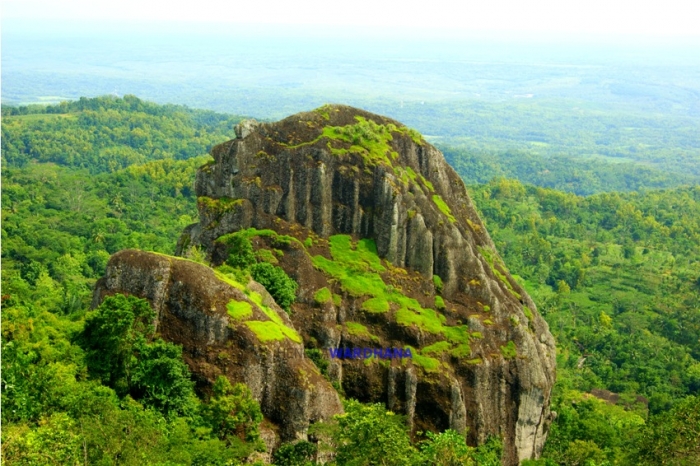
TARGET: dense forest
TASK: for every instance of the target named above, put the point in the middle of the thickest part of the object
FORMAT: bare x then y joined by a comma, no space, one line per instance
616,276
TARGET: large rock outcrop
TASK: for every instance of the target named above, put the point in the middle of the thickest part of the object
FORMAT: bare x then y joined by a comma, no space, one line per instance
227,328
388,250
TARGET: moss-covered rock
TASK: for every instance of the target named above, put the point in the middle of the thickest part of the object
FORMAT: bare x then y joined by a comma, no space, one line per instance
227,328
380,220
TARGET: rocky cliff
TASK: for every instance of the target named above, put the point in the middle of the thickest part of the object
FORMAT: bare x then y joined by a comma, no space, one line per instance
388,251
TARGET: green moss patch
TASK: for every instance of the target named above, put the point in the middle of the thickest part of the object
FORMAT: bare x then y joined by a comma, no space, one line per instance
427,363
457,335
436,348
375,305
444,208
437,282
427,183
493,260
271,331
509,351
359,330
323,295
367,138
229,280
461,351
439,303
426,319
218,206
265,255
268,330
239,310
357,268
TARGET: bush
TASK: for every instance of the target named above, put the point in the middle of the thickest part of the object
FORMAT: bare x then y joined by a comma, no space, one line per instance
368,434
282,288
316,355
241,252
297,454
233,414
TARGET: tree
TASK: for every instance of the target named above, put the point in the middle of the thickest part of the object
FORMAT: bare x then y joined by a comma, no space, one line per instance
233,413
672,438
371,435
295,454
122,351
447,449
282,288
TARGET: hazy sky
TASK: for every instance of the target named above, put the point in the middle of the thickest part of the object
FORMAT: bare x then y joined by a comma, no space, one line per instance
647,17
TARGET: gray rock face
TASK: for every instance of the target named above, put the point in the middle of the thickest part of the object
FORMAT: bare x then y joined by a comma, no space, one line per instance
191,302
339,170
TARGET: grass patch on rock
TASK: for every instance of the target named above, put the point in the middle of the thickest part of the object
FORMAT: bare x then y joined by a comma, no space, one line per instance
436,348
444,208
323,296
427,363
271,331
239,310
375,305
509,351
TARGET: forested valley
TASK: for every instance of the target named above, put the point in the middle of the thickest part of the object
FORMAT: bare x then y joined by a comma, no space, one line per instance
615,273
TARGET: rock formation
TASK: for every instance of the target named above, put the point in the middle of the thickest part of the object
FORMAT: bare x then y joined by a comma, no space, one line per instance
388,251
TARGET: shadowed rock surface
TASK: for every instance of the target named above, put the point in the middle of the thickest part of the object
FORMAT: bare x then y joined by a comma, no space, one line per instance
388,251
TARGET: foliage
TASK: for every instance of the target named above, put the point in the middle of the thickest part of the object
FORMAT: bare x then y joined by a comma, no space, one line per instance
295,454
370,435
589,429
121,351
316,355
282,288
570,251
59,227
444,208
615,275
672,438
106,134
233,414
447,448
241,254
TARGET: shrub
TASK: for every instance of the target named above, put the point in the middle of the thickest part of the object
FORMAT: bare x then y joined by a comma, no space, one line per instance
233,413
241,252
316,355
295,454
282,288
368,433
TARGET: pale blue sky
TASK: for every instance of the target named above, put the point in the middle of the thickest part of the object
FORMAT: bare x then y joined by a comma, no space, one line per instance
654,18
